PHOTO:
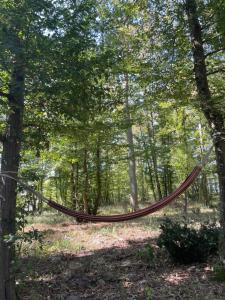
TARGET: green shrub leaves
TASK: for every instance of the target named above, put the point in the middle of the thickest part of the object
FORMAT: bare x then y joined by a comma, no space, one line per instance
188,245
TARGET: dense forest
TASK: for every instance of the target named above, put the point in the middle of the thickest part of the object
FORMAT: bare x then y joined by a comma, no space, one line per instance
109,104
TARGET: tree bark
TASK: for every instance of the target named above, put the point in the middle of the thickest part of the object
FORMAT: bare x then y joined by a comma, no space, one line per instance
131,154
10,162
213,114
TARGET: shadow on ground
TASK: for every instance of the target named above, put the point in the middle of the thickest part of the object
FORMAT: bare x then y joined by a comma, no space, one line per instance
115,273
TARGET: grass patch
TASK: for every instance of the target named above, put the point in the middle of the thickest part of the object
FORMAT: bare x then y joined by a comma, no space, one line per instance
48,217
64,245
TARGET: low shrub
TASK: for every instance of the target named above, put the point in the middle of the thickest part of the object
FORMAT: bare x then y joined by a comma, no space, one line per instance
219,273
147,254
188,245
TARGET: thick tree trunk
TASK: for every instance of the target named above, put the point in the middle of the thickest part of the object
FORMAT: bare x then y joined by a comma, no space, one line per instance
213,114
10,162
131,154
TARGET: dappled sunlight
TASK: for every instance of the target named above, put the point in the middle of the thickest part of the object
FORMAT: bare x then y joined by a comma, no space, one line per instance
77,238
117,273
110,261
176,277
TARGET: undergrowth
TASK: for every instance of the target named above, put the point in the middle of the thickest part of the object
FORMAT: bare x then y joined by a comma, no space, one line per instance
186,244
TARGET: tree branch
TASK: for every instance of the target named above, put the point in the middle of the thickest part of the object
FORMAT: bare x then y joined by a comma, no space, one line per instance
214,52
221,70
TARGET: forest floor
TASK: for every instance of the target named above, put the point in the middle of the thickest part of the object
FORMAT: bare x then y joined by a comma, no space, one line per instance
109,261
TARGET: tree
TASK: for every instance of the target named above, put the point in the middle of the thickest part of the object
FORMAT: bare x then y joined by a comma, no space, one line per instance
18,35
213,112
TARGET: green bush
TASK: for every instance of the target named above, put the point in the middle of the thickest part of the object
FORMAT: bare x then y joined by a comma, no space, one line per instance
147,254
187,245
219,273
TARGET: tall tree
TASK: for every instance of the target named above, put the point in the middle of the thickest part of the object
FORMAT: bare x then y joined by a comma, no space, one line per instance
19,33
131,153
213,112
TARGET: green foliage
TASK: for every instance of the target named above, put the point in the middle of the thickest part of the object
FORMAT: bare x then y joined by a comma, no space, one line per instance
21,236
219,273
147,254
21,215
149,293
188,245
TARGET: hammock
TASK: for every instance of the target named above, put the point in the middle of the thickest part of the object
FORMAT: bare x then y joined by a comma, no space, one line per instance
113,218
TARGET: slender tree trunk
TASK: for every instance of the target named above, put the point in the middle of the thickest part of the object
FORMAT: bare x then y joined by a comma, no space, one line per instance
34,204
151,180
40,202
73,185
213,114
131,154
107,179
185,205
154,157
185,141
98,180
85,191
203,189
149,167
142,175
10,162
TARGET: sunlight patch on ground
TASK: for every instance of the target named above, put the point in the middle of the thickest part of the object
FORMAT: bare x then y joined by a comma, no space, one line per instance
176,278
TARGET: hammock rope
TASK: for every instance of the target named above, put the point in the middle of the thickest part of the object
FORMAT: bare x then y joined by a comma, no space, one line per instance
122,217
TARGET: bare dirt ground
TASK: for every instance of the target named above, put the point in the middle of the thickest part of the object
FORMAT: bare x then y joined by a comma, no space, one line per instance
108,261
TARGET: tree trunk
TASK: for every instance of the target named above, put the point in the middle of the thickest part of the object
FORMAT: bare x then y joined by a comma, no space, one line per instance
213,114
185,205
40,188
148,167
151,180
131,154
142,178
186,149
10,162
85,191
73,184
154,156
203,188
98,181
